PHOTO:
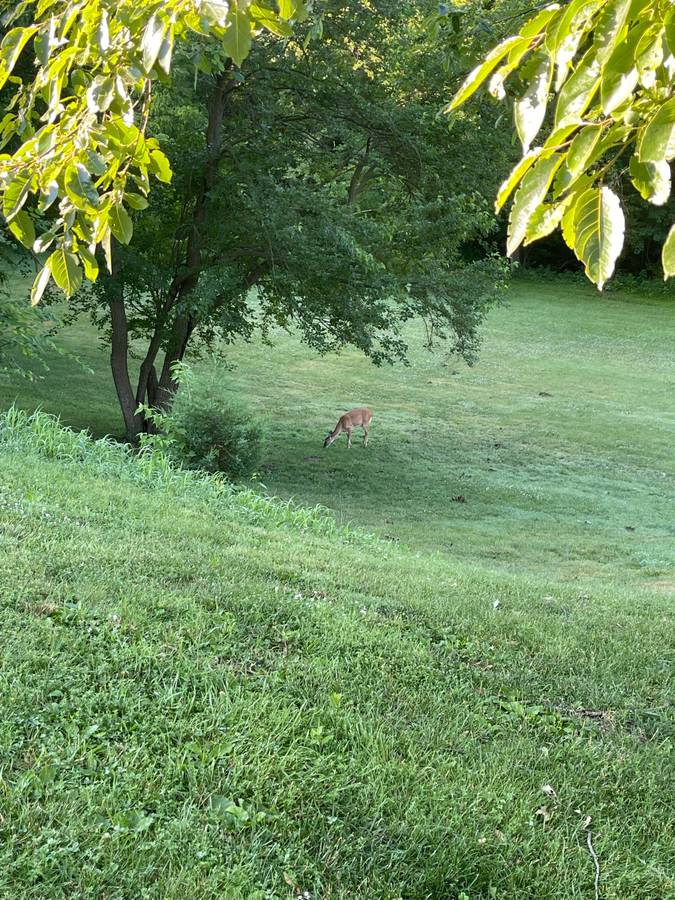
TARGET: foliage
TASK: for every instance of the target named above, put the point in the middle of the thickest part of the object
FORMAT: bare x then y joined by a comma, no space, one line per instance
26,335
205,429
200,704
76,124
334,190
611,66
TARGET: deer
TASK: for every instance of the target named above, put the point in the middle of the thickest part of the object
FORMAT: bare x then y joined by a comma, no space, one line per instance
355,418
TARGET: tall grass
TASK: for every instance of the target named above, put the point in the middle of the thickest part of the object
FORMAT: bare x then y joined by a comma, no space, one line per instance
41,433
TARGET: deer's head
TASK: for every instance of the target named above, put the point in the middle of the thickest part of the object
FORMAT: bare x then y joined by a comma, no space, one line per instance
328,440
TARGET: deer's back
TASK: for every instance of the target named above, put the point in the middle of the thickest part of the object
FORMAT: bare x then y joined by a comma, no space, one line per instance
355,417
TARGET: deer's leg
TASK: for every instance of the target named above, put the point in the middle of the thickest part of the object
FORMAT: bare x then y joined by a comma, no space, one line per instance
349,439
365,435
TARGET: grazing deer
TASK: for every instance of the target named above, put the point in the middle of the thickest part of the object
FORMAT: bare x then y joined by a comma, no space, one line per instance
355,418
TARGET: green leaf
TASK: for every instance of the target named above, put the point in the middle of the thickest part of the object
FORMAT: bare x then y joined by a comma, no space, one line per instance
120,223
649,55
100,94
89,262
567,37
23,229
530,108
669,24
237,38
514,178
214,11
166,51
153,35
668,255
578,91
66,271
80,189
10,49
652,180
476,77
610,28
528,197
658,138
39,285
598,227
545,220
15,195
135,201
269,19
578,156
620,75
159,166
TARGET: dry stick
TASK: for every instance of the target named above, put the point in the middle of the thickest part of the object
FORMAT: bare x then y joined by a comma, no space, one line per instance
589,840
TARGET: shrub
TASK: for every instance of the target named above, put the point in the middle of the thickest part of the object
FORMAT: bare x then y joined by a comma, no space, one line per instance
206,429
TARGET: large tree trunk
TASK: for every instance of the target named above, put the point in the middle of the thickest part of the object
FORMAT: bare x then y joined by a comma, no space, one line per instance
151,390
119,356
184,325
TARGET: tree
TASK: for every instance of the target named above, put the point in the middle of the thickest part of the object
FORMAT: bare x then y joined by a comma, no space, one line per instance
610,64
322,176
76,128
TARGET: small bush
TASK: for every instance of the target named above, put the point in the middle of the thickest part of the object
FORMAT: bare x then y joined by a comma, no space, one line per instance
207,430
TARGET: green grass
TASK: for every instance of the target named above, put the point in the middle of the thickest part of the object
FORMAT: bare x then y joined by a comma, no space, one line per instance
575,486
204,697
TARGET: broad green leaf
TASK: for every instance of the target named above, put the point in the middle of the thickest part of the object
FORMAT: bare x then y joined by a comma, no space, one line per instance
539,22
89,262
159,166
39,285
598,232
567,37
529,195
153,35
135,201
668,255
578,91
515,56
651,179
269,19
237,38
514,178
15,195
100,94
669,24
80,188
620,75
478,75
10,49
44,242
610,28
66,271
658,138
530,108
23,229
166,51
649,55
120,223
545,220
580,151
214,11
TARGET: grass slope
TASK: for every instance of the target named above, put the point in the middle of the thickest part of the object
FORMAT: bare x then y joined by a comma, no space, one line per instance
560,441
201,699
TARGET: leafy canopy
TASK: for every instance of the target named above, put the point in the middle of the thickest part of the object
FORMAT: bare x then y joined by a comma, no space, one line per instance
596,76
76,126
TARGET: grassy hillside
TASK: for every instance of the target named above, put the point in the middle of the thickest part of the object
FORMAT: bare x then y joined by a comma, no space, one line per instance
203,695
552,456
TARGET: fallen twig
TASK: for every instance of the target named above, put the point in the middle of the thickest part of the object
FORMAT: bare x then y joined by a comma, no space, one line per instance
594,855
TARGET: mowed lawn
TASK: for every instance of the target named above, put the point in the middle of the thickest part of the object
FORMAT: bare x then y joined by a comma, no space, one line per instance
553,455
207,698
